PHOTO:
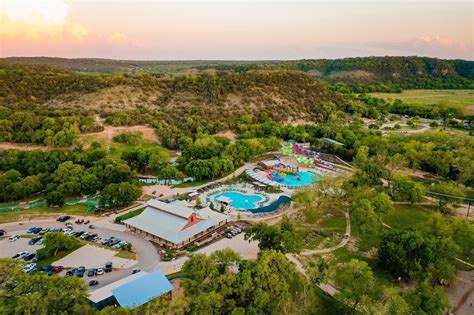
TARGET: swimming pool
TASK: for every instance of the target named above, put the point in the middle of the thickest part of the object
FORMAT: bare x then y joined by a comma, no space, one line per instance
299,179
241,201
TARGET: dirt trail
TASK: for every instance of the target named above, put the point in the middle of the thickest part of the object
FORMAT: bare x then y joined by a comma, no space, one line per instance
9,146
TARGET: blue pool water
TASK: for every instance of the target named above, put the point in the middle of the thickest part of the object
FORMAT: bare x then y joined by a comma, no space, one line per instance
292,180
241,201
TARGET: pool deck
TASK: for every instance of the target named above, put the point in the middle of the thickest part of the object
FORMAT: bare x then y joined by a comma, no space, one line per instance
246,189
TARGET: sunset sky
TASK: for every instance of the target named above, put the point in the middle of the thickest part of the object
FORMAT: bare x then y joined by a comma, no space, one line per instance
258,29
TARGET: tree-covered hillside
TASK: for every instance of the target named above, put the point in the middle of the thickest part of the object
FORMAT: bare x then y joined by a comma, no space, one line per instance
213,102
378,73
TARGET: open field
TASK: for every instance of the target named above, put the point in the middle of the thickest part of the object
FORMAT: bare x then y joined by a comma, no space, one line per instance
460,99
148,139
33,214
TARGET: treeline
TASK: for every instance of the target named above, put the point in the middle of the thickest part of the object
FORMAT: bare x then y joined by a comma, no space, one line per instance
369,74
378,74
59,174
56,129
214,156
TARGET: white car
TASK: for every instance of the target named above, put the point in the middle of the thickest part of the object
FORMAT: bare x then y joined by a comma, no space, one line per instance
100,271
121,244
83,236
13,238
29,267
20,255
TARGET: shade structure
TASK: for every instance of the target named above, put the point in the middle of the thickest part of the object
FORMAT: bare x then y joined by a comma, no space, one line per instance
142,290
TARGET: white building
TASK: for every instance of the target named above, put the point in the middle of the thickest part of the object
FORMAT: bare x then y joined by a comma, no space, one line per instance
175,224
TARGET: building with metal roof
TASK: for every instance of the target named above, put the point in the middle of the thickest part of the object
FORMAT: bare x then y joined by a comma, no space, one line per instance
132,291
175,224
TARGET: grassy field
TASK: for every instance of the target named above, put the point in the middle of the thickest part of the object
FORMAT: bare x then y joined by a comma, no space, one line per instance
406,216
460,99
24,215
116,149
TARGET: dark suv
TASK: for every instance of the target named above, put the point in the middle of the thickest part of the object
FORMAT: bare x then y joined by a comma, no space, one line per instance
108,267
63,218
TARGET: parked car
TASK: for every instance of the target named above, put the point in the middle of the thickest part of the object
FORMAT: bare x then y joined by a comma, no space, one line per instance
71,272
20,255
34,240
84,235
47,268
29,267
136,270
79,221
91,226
13,238
91,272
93,282
78,233
29,257
80,271
87,222
43,231
55,270
105,241
58,268
3,232
120,244
108,267
228,235
63,218
95,239
33,230
40,242
100,271
113,242
68,224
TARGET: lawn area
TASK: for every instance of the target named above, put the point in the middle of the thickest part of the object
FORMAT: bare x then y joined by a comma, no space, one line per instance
116,149
27,214
336,222
129,215
196,183
406,216
459,99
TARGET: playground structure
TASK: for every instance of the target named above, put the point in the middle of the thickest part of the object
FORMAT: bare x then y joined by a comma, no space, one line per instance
307,157
278,172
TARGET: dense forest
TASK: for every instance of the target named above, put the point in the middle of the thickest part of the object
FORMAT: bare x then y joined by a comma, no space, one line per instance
376,73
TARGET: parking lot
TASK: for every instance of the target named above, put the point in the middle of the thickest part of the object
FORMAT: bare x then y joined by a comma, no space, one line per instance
96,256
147,257
8,249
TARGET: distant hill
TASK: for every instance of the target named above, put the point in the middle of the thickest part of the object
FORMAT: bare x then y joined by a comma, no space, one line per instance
403,72
216,101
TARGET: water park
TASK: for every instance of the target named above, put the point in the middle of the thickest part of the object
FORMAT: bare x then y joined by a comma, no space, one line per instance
243,197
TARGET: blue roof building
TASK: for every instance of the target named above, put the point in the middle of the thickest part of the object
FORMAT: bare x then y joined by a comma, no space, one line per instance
142,290
132,291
